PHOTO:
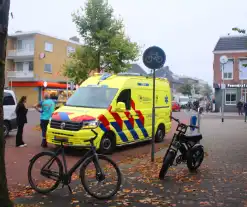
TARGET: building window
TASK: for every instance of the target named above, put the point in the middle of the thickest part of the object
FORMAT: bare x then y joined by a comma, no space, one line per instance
242,66
230,96
227,73
19,66
30,66
48,68
48,47
70,50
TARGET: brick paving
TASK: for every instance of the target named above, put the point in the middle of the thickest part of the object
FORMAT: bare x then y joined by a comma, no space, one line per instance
221,180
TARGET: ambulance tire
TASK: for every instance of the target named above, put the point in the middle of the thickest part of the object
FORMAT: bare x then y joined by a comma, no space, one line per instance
107,143
160,133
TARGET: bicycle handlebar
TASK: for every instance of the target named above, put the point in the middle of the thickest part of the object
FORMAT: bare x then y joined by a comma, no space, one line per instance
95,133
177,120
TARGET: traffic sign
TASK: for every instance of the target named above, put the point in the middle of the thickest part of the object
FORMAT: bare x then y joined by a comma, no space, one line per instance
154,58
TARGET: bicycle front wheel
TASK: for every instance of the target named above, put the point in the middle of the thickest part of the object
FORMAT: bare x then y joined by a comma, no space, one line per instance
97,173
45,172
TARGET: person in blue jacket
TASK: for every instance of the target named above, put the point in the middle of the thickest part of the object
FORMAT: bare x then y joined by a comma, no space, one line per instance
46,107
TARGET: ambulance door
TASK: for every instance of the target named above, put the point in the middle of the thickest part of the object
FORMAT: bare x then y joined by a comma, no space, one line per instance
126,117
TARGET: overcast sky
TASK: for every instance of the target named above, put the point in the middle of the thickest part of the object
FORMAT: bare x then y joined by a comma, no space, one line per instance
187,30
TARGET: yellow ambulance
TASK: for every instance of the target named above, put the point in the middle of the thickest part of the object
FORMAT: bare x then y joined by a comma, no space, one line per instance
119,106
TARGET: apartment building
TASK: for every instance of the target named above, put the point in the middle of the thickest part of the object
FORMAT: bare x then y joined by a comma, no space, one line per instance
234,74
34,63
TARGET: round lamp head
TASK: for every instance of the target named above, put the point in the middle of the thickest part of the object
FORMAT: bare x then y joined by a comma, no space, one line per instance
223,59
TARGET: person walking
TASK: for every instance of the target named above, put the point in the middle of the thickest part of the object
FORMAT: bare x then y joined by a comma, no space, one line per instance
46,108
240,107
245,111
21,118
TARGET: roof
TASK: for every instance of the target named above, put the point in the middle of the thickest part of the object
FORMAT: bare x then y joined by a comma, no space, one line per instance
232,43
135,68
18,34
165,72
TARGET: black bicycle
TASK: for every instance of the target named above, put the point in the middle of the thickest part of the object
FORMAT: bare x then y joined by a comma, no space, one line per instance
191,151
62,175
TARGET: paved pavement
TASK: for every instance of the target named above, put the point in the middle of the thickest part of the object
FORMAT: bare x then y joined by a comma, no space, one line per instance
221,180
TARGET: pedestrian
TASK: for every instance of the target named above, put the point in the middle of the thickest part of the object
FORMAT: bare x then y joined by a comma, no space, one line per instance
245,111
46,108
21,118
240,107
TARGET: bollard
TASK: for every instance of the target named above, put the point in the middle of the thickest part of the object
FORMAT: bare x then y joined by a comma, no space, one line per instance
193,120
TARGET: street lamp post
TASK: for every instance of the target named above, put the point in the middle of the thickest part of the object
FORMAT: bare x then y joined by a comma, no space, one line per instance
223,61
242,83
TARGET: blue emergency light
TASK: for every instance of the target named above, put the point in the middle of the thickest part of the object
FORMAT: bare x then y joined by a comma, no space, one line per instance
193,121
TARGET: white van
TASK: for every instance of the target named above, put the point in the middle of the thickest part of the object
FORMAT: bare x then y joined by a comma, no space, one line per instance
183,101
9,106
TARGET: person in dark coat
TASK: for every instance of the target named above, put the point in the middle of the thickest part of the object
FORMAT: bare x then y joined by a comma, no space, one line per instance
21,118
240,107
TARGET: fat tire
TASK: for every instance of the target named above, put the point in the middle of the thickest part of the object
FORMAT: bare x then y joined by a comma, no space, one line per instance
33,160
190,164
84,184
167,162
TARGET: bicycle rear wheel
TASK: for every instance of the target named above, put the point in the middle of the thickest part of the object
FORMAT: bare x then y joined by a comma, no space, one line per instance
46,170
108,169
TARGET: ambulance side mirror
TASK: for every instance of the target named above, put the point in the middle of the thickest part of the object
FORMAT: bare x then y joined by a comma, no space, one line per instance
120,107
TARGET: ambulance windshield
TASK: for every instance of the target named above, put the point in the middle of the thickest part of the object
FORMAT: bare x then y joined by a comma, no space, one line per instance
92,97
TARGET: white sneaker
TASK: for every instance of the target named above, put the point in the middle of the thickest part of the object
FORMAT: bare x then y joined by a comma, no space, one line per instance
25,145
22,145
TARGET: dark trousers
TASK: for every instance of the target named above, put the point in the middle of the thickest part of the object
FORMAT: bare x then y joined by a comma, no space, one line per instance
240,111
19,134
43,126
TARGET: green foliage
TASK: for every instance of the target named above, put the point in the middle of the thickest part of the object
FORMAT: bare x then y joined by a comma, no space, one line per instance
206,90
105,43
185,89
236,29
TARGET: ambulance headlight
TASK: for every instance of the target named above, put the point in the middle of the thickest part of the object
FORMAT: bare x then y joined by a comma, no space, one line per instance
90,124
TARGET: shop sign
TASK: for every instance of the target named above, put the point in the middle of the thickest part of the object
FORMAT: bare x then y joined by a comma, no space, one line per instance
236,85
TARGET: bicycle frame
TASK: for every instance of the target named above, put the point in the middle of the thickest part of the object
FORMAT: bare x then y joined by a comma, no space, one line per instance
68,173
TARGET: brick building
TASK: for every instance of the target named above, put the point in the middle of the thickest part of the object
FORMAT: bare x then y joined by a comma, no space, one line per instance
234,74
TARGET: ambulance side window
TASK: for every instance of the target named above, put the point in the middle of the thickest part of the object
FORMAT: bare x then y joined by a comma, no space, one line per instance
125,96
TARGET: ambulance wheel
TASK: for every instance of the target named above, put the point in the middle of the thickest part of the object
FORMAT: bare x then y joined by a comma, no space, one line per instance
160,133
107,143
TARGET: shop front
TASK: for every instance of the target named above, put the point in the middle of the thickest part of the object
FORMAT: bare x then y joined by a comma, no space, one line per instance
35,91
232,94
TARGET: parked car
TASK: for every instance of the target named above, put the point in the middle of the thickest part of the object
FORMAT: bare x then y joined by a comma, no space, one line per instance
9,106
175,106
183,101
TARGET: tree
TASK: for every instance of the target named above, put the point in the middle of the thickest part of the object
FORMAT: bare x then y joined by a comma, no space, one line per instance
106,47
185,89
4,19
206,90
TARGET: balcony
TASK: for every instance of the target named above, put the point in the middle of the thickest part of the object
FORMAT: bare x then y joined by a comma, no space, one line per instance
20,53
20,74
